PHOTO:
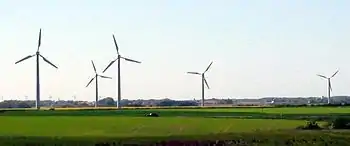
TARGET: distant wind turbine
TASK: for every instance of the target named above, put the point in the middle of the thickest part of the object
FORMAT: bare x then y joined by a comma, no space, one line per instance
273,101
119,78
204,81
96,77
329,84
37,54
52,101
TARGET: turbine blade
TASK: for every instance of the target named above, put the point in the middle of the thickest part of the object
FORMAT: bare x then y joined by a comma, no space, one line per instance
110,64
48,61
127,59
322,76
115,43
105,77
93,65
39,41
206,83
208,67
330,85
334,73
25,58
90,81
196,73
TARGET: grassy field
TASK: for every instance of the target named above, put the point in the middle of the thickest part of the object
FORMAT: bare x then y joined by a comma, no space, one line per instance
135,126
301,113
270,125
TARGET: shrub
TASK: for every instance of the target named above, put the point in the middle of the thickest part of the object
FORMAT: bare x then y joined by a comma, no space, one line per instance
327,125
341,123
310,125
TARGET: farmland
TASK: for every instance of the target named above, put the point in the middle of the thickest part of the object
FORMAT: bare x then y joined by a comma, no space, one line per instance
87,125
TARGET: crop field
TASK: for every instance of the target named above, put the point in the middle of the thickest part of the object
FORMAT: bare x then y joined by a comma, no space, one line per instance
135,126
69,126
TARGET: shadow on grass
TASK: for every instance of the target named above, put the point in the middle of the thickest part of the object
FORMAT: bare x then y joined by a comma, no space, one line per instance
174,113
269,138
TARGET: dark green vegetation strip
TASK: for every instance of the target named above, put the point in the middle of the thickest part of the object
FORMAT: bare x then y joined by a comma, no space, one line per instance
277,138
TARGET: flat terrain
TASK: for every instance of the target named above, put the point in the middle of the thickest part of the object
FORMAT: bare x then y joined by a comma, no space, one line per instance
269,124
134,126
301,113
203,111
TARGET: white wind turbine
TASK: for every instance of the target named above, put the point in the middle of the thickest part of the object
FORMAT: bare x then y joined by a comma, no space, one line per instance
329,84
119,57
204,81
38,55
96,78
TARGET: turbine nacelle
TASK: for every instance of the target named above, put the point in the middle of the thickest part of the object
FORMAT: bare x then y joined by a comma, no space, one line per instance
328,79
96,74
118,57
202,74
37,53
322,76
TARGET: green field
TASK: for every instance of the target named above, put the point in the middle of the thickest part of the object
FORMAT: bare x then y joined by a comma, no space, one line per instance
270,124
135,126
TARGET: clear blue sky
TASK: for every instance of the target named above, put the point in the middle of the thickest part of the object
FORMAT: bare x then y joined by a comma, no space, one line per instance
259,48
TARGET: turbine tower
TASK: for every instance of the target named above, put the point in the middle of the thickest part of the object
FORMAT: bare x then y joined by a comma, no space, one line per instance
329,84
37,54
96,76
119,57
204,81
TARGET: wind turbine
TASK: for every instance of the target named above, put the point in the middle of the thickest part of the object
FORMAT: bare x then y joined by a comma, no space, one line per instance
203,80
119,57
37,54
329,84
52,101
96,77
273,101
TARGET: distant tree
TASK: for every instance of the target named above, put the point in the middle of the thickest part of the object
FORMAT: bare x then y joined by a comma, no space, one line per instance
134,105
108,101
227,101
22,104
167,102
187,103
4,104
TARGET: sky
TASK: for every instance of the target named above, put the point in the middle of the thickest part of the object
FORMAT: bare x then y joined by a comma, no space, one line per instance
259,48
